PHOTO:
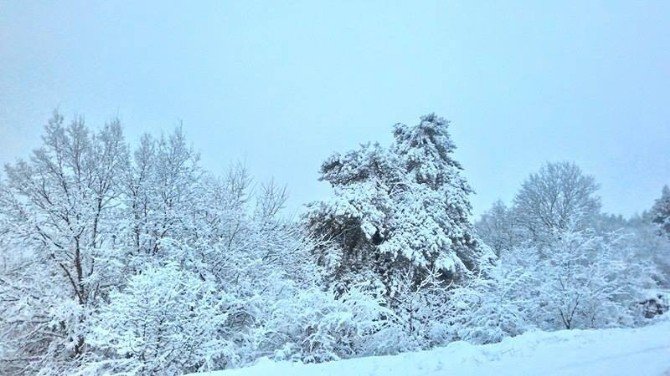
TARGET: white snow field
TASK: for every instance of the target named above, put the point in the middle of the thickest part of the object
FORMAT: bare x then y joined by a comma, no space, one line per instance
635,352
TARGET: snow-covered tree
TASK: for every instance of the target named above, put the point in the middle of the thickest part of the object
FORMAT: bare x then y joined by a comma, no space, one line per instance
163,199
572,267
583,280
498,230
649,246
438,192
145,263
661,212
58,215
399,210
422,311
558,198
592,281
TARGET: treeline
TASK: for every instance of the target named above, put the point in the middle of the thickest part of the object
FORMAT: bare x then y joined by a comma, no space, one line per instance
135,260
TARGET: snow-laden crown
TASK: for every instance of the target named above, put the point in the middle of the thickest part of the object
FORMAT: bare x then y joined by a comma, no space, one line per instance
405,206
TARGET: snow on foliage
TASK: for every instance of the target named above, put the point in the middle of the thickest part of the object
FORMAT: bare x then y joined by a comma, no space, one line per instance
577,268
398,210
137,261
166,321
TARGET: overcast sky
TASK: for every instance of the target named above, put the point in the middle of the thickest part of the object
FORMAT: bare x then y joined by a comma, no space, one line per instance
281,85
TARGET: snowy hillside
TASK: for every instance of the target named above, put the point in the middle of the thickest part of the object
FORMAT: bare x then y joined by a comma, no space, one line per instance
641,351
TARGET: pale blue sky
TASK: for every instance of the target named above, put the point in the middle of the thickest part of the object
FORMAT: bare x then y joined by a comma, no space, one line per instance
281,85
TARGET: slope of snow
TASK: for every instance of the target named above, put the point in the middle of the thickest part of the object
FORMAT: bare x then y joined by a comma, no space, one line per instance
641,351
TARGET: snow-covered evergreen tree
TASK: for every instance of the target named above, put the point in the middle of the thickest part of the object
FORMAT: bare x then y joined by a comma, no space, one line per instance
661,212
399,210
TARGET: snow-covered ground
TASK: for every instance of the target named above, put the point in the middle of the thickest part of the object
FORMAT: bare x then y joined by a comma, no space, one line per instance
638,352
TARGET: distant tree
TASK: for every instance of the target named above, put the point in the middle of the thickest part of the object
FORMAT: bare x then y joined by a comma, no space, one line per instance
497,228
558,198
649,244
660,212
399,210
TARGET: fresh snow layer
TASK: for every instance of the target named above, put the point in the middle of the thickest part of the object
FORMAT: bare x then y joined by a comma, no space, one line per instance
641,351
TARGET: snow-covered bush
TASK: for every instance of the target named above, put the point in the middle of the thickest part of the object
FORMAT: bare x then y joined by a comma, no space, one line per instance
493,306
165,321
574,267
581,280
594,281
315,326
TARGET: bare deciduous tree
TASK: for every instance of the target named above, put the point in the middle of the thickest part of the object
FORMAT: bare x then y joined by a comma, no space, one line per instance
559,197
57,207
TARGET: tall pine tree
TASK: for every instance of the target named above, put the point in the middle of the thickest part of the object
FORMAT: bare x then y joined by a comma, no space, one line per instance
398,213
